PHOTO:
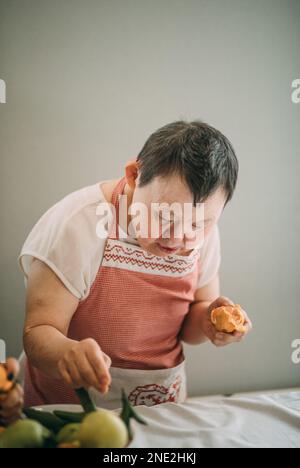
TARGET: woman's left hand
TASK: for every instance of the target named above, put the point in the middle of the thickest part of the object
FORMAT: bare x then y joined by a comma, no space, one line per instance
220,339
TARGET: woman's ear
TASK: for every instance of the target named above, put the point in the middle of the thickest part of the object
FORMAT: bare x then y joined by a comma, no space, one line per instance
131,172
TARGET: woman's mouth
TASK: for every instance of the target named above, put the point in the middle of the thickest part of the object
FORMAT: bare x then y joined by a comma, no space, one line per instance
168,250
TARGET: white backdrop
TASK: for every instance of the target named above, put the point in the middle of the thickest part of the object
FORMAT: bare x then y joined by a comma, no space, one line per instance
88,81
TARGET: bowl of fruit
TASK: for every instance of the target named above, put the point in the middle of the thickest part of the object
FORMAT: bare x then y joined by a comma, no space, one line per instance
72,426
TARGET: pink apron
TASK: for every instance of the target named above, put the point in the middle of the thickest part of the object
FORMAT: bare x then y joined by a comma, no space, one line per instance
134,311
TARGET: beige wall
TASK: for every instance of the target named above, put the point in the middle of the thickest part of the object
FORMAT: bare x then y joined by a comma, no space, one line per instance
88,81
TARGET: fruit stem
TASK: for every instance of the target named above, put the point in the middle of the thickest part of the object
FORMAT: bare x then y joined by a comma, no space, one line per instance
129,413
85,400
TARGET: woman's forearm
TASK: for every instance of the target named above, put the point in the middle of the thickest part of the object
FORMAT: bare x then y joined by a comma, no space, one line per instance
191,331
45,345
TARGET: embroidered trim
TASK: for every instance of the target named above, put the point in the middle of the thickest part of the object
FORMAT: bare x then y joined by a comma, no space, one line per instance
119,254
153,394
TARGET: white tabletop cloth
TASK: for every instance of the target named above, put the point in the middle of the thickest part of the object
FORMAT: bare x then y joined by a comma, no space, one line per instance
270,420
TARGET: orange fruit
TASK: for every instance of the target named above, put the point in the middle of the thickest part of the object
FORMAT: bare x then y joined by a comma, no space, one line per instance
5,384
69,445
228,319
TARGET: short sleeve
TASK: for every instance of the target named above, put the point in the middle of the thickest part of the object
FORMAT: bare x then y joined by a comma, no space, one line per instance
65,239
210,258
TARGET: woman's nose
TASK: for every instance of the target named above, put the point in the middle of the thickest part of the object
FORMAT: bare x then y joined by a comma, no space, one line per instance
173,232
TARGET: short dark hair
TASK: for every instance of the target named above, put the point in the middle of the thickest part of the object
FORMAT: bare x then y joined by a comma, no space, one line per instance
199,153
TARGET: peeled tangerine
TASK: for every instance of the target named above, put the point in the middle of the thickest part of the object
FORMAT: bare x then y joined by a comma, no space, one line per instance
5,384
229,319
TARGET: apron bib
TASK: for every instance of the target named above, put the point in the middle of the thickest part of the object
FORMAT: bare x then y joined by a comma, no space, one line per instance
135,310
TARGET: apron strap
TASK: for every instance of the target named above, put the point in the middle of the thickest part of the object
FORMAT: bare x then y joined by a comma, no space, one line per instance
118,190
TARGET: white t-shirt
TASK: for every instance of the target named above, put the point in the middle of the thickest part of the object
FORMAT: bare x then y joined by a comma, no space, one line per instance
65,239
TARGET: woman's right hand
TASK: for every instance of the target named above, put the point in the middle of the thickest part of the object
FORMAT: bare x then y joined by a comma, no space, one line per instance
85,365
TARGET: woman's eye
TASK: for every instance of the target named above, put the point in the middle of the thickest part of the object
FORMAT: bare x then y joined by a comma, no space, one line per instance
165,220
166,223
161,220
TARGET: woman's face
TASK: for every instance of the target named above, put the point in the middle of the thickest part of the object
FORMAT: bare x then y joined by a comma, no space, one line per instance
174,231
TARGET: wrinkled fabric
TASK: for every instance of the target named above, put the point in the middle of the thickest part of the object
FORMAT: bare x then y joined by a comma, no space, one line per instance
243,421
